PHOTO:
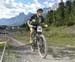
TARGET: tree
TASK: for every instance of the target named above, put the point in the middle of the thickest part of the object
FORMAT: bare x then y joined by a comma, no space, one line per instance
64,15
68,13
49,17
60,14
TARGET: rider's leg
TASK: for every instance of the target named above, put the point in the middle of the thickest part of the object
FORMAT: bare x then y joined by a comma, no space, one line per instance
31,31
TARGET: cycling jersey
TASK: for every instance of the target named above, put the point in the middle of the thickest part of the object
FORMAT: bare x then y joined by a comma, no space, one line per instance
36,20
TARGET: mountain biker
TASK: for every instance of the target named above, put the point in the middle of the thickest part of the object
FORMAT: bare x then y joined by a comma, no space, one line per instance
35,20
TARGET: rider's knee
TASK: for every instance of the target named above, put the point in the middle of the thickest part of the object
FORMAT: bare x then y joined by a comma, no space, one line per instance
31,30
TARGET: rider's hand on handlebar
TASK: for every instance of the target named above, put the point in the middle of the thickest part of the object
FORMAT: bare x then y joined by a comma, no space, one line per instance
45,25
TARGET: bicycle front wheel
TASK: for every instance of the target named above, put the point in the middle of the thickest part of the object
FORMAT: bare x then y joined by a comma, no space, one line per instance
42,46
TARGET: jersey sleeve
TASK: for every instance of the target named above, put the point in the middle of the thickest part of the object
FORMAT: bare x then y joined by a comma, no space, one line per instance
42,19
32,17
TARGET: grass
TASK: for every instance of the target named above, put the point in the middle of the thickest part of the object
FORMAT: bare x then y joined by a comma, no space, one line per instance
11,57
63,35
1,46
3,40
23,37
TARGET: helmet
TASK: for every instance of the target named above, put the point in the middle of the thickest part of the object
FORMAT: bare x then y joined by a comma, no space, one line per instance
40,10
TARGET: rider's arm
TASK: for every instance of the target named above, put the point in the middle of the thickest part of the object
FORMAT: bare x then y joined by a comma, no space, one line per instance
29,23
43,22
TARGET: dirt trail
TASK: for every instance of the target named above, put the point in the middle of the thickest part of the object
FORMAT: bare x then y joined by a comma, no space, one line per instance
57,55
27,56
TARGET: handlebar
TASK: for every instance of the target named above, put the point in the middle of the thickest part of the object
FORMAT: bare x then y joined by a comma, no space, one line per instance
45,26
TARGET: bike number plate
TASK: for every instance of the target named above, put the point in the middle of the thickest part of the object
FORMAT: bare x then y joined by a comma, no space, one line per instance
39,29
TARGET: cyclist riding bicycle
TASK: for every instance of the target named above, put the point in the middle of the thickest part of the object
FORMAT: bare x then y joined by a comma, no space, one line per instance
35,20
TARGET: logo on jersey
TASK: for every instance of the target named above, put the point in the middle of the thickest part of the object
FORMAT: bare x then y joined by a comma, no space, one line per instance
33,20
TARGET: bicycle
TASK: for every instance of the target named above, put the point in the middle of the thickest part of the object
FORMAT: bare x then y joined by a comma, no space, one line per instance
39,42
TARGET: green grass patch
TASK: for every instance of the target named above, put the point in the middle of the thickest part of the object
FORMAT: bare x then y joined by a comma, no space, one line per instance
11,57
1,46
3,40
22,36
